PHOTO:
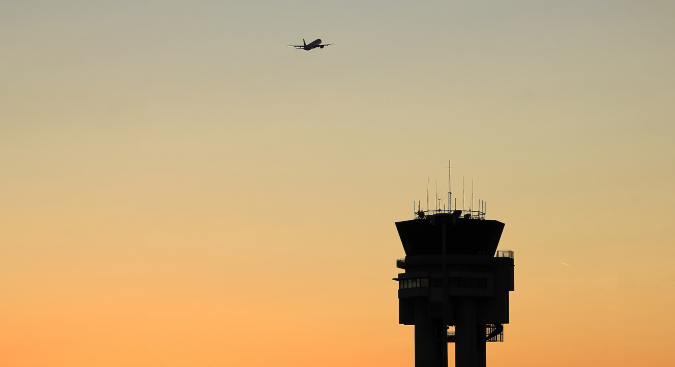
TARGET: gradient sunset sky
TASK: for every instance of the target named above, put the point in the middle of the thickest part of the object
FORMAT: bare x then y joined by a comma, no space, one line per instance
179,188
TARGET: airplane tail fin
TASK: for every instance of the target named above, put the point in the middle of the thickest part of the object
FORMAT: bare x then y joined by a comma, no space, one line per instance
303,42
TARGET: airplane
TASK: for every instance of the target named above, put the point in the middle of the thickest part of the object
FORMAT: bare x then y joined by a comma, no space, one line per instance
314,44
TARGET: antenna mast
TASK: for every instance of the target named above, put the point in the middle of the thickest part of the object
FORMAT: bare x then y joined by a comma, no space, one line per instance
427,194
463,196
450,185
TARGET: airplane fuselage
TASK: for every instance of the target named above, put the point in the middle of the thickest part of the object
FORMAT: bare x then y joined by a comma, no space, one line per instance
314,44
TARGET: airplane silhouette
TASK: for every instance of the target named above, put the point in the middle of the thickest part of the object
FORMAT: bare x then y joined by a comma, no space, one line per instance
312,45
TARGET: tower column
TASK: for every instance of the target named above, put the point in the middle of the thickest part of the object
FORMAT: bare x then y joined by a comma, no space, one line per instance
481,346
428,352
466,334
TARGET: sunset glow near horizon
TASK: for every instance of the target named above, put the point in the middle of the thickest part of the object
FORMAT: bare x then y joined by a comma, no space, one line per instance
179,188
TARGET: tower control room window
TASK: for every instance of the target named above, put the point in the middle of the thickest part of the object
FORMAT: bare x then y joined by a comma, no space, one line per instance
413,283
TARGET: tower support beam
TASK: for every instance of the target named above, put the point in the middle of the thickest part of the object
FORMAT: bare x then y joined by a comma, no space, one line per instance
467,337
428,345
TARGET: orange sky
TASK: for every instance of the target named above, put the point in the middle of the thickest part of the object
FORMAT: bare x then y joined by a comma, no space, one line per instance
179,188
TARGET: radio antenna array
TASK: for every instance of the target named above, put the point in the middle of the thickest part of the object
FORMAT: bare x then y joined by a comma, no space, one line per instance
469,209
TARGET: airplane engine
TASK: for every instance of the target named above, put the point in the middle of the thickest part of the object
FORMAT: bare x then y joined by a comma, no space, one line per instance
321,46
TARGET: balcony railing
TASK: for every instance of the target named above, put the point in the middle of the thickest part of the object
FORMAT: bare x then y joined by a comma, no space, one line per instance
504,253
493,333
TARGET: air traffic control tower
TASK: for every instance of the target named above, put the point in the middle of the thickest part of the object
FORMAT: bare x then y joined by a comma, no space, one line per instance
454,277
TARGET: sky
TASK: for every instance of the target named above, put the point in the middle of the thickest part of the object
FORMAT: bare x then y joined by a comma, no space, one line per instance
179,188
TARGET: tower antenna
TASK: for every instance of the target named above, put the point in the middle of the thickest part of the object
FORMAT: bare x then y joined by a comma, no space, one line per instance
450,185
427,194
471,195
463,196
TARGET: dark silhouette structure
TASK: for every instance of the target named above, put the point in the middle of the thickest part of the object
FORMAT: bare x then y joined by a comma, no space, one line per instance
454,277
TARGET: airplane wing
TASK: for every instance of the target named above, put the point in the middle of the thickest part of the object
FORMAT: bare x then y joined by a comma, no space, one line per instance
296,46
328,44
